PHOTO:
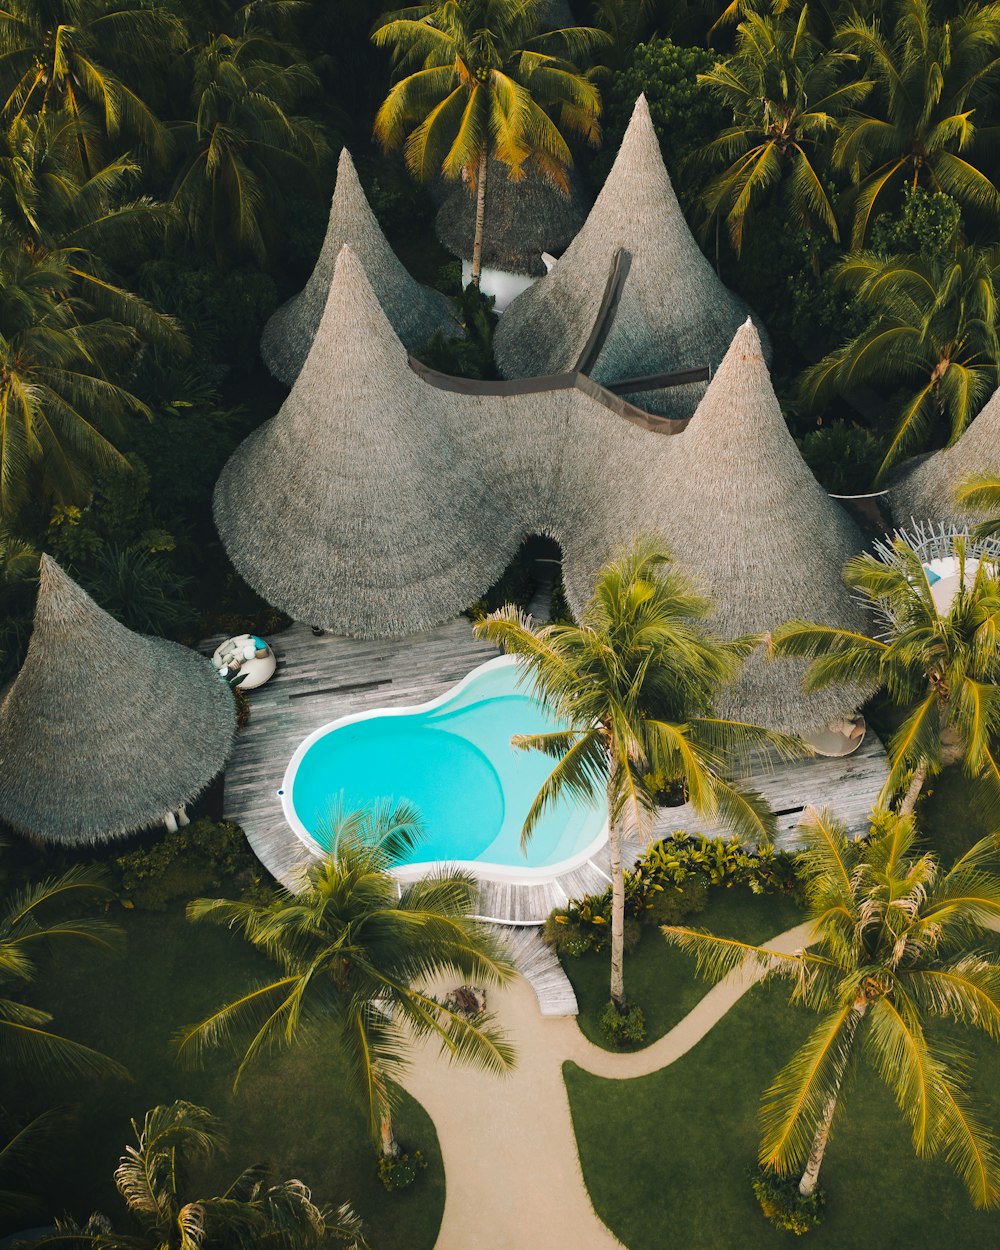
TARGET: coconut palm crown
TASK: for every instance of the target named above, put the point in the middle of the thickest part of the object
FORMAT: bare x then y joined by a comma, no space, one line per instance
941,664
899,945
634,682
357,951
486,81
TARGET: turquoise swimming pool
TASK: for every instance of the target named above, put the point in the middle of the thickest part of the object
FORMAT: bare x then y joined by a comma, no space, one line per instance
452,759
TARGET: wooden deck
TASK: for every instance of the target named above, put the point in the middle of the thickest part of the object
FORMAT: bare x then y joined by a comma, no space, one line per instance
847,786
320,679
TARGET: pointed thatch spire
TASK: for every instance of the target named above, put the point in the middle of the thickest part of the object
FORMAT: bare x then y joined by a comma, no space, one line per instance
414,311
674,312
104,731
354,508
926,491
523,219
746,516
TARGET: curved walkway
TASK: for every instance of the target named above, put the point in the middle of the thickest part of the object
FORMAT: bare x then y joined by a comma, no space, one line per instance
514,1180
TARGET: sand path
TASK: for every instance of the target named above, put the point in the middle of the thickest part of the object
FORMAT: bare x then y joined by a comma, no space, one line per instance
512,1171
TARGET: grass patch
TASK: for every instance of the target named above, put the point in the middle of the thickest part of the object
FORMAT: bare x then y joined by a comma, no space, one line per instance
951,814
660,978
687,1137
293,1110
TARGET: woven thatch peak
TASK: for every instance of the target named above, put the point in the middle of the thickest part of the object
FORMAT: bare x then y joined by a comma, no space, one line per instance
103,730
926,491
674,313
414,311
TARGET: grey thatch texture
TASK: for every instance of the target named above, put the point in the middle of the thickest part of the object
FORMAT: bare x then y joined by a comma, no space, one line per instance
926,490
744,513
103,730
378,503
523,219
415,311
674,312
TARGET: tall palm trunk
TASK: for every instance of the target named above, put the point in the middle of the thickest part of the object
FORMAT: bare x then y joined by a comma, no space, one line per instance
810,1177
477,246
617,915
617,895
387,1136
913,789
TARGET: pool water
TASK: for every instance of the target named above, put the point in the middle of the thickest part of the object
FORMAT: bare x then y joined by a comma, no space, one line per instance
454,762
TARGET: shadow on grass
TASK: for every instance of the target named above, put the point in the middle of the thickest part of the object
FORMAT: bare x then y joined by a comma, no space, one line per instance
292,1110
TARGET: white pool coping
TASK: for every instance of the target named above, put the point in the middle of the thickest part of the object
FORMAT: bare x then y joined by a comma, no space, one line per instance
484,870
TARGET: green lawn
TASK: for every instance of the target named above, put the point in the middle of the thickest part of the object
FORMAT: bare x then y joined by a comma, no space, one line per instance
293,1111
659,977
666,1157
951,814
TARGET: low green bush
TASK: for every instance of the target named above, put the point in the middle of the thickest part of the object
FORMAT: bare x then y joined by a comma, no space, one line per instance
623,1026
197,857
672,880
784,1206
398,1171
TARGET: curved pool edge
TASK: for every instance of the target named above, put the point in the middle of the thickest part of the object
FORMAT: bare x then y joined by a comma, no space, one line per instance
483,870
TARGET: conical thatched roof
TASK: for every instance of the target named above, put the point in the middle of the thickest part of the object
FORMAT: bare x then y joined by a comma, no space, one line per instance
523,219
384,498
346,508
674,312
103,731
415,311
744,513
926,491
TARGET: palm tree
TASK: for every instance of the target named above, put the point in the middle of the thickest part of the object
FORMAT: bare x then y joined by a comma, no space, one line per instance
486,82
931,332
788,95
252,1211
93,220
78,55
245,145
356,950
899,945
634,683
59,413
920,127
33,920
942,666
982,494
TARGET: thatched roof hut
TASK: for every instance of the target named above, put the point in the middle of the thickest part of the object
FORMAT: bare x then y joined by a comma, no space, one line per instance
674,312
523,219
925,491
104,731
415,311
347,509
745,515
384,498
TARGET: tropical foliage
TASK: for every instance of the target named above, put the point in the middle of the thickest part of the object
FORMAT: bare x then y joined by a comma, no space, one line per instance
487,81
253,1210
34,920
787,94
940,664
899,946
357,953
635,682
982,494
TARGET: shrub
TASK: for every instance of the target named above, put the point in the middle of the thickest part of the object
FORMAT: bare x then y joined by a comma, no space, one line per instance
673,904
624,1026
398,1171
784,1206
844,457
197,857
